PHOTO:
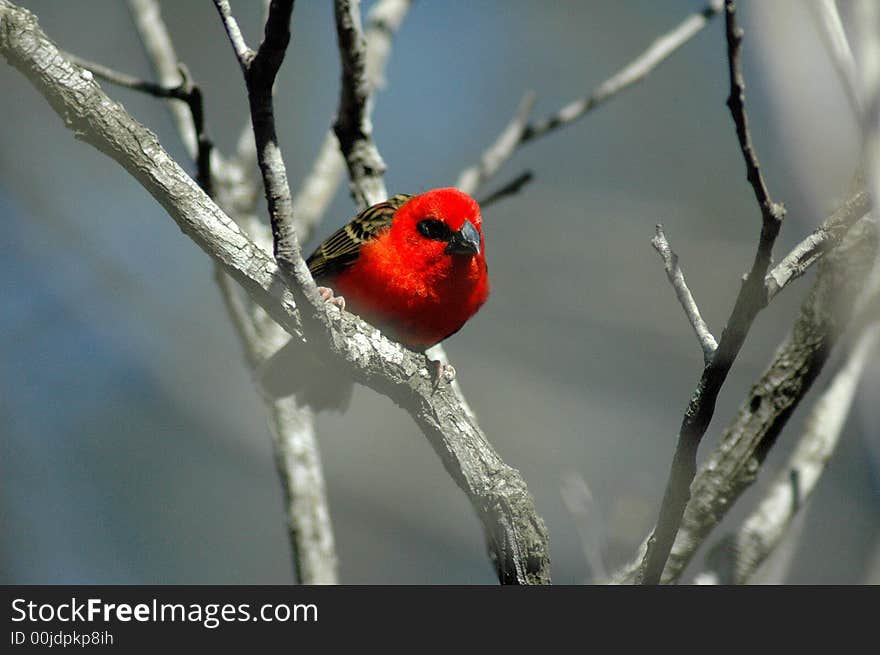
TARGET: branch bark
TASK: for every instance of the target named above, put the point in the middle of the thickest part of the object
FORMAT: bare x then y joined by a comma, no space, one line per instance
764,529
292,428
735,463
749,302
684,295
517,536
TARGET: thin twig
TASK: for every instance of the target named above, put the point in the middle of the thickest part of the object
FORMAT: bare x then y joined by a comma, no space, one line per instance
683,293
353,127
511,188
752,298
233,31
816,244
154,36
319,186
499,152
635,71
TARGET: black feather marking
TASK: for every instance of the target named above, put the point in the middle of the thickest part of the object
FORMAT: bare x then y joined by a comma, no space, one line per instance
342,248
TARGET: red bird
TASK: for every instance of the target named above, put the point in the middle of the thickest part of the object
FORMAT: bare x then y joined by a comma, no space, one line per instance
413,266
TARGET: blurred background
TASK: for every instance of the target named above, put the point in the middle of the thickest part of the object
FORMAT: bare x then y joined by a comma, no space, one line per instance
133,448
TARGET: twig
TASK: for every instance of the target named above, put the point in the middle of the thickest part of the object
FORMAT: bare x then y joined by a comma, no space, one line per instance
734,464
353,127
499,152
147,17
516,535
821,240
242,52
511,188
319,186
751,299
683,293
185,91
634,72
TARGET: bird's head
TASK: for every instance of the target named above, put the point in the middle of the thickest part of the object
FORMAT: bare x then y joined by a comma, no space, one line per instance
442,225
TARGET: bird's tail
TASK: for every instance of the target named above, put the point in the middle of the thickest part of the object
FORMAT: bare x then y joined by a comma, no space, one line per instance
295,370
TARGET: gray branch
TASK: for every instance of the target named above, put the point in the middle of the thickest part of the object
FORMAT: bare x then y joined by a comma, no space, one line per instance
763,531
353,126
291,427
499,152
635,71
319,186
517,536
632,73
683,293
734,464
821,240
749,302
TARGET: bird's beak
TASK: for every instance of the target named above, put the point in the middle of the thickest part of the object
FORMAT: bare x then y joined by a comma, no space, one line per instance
465,242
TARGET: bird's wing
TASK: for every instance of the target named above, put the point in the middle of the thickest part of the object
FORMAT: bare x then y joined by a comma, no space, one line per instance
341,249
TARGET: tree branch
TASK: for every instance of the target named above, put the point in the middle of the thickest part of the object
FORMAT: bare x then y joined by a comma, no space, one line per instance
353,127
319,186
634,72
499,152
517,536
764,529
751,299
511,188
825,237
683,293
734,464
291,427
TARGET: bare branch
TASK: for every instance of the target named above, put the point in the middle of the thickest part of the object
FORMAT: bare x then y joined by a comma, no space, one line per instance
319,186
751,299
353,126
821,240
637,70
764,529
683,293
154,36
772,212
632,73
511,188
734,465
517,536
295,449
242,52
499,152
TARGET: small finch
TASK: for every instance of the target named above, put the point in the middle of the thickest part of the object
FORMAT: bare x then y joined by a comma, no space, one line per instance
413,266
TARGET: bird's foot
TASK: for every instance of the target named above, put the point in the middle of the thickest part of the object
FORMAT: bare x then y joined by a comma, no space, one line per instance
443,372
328,296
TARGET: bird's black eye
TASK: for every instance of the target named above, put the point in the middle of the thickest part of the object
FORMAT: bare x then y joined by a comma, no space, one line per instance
434,229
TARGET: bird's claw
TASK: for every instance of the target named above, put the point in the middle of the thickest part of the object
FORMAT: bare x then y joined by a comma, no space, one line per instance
442,372
327,295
